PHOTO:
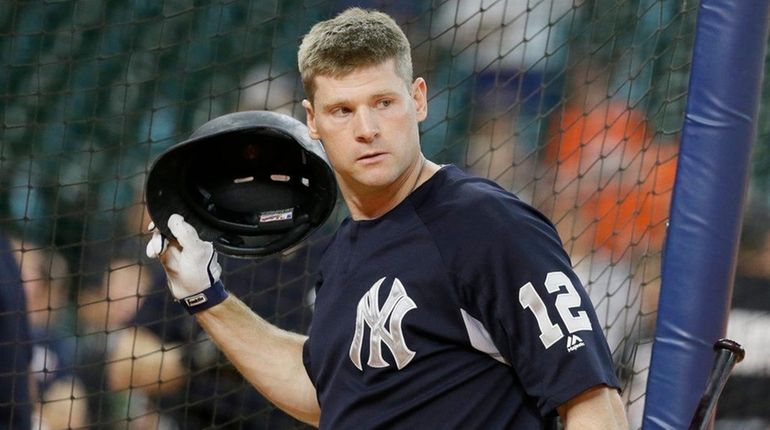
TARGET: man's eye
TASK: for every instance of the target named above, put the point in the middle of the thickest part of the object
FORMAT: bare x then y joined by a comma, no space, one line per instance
341,111
385,103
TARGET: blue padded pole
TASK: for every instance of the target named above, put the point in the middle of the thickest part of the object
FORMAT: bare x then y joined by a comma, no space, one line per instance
712,176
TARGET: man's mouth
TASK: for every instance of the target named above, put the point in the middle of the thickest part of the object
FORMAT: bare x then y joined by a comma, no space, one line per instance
372,156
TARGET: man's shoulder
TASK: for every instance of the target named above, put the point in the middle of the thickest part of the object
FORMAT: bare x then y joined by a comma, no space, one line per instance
476,203
468,214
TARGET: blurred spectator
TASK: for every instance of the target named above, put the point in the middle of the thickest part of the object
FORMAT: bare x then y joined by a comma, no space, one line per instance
510,55
139,364
515,51
610,184
15,346
125,367
745,401
492,153
609,174
262,89
60,394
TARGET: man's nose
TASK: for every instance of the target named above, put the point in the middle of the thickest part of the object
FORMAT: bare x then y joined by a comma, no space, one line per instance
366,126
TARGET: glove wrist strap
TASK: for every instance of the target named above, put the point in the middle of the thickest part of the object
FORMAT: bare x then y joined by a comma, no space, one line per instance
208,298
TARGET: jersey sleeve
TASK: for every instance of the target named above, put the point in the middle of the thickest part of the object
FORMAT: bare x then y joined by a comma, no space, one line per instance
520,284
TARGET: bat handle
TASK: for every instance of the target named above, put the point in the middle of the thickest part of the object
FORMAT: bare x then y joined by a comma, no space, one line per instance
728,353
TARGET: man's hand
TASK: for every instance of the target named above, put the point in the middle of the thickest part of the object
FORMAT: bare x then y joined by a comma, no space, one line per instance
191,264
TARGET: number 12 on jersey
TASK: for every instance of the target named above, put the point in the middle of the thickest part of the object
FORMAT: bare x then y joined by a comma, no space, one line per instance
566,300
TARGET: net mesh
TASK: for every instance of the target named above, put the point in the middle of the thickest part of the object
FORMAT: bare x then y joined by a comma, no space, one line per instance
575,106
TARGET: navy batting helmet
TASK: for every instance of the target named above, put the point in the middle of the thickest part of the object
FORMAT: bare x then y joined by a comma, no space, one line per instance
252,183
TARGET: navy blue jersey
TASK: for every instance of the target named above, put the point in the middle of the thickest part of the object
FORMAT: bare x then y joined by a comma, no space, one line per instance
456,309
15,349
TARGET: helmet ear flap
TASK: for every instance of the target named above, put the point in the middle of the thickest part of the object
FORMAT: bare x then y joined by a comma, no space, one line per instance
253,183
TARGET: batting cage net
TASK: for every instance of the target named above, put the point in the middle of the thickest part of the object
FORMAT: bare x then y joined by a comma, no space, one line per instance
575,106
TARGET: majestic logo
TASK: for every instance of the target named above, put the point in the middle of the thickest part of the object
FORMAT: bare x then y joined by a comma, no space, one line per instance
574,342
392,312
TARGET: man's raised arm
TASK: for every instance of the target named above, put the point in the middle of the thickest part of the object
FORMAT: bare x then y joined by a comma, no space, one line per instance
268,357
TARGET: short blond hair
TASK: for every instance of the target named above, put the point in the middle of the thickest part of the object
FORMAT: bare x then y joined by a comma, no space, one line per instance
354,38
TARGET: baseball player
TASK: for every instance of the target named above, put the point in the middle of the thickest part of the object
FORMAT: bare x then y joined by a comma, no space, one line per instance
15,343
443,301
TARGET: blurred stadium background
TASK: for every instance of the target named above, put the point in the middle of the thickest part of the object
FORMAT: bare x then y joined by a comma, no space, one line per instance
576,106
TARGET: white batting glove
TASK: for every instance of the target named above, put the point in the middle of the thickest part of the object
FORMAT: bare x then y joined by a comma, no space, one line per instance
191,265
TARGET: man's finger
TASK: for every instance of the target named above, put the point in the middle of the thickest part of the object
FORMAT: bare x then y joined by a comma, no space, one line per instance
156,245
184,232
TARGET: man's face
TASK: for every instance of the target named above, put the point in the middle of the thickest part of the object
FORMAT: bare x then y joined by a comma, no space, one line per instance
367,121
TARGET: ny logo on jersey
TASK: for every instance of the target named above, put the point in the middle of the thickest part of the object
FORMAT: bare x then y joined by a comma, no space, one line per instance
392,312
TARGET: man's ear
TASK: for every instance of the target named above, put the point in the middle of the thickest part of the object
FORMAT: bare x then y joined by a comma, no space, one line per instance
313,131
420,97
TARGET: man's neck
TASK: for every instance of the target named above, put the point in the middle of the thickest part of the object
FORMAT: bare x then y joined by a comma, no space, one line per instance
374,204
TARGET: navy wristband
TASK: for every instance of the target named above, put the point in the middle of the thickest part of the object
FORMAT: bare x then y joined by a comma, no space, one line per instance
206,299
